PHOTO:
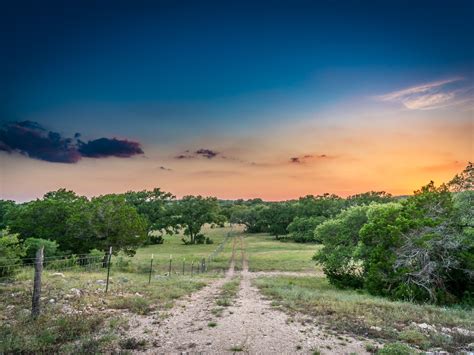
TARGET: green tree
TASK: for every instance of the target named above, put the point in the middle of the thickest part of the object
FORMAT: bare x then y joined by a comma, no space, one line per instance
381,237
155,206
5,207
340,255
46,218
277,217
367,198
107,221
249,216
32,245
11,252
464,180
327,205
301,229
191,213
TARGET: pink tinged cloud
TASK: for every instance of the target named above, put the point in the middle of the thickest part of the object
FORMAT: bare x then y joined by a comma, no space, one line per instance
427,96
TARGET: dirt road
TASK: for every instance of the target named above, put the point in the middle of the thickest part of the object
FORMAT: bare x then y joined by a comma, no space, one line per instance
249,325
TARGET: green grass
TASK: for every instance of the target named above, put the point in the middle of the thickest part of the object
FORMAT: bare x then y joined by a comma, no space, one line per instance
180,253
363,314
80,320
267,254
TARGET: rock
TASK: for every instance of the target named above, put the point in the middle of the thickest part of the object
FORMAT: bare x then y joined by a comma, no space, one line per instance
377,329
76,292
464,332
470,347
138,294
100,282
58,274
52,300
426,327
10,307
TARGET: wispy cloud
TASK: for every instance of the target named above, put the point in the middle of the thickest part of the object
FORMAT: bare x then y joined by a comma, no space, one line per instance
302,159
429,96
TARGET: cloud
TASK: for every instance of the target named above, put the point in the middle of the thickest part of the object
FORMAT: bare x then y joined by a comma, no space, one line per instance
204,153
428,96
31,139
302,159
106,147
207,153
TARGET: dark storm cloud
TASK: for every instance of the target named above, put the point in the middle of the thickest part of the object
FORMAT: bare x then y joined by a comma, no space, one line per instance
106,147
31,139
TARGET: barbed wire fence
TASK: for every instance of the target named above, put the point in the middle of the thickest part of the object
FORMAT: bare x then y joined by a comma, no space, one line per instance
157,267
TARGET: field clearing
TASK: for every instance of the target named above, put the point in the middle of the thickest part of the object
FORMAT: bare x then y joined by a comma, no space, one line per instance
174,246
265,253
349,311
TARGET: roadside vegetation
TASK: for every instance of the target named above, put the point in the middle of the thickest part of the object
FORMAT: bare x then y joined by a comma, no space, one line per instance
359,313
77,316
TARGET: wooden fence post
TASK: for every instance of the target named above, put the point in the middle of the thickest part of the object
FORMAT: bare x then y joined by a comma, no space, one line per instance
35,304
108,270
184,260
151,269
192,268
169,269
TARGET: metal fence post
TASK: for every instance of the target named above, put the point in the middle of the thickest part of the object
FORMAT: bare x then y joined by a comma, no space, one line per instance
35,304
108,270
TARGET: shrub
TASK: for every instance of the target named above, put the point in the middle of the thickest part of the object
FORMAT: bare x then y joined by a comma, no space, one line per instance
396,349
339,256
301,229
33,244
11,252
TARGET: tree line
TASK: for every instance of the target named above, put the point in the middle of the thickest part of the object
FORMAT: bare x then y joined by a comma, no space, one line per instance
417,247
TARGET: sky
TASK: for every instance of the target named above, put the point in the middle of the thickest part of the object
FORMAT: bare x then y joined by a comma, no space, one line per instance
234,99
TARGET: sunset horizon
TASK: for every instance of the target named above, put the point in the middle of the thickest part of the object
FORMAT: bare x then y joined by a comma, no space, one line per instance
271,101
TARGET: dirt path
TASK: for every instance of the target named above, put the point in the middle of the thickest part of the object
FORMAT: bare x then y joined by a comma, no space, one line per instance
250,324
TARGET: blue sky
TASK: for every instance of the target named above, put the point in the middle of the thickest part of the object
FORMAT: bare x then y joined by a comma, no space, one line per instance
170,73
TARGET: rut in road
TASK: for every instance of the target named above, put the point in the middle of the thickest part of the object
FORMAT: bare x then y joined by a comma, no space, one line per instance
250,324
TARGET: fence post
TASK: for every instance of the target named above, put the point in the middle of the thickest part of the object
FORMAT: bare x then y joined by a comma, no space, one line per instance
192,268
184,260
35,304
169,269
108,270
151,269
203,265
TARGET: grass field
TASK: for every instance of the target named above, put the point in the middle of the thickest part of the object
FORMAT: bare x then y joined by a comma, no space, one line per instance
77,315
267,254
179,252
424,326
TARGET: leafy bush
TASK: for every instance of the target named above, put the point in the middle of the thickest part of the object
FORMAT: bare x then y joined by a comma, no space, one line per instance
11,252
33,244
302,229
396,349
339,256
